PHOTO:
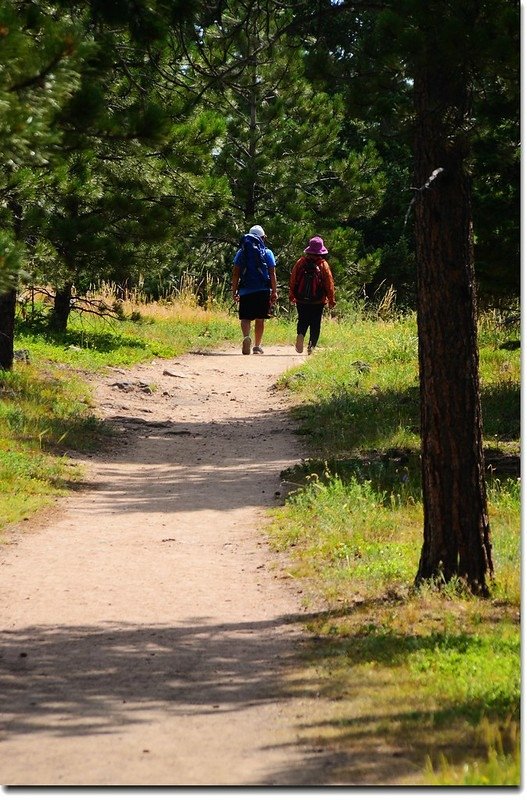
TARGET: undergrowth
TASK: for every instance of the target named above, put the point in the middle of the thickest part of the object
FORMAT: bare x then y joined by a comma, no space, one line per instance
445,665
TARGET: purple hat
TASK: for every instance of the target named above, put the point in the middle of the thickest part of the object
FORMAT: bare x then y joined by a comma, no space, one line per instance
316,247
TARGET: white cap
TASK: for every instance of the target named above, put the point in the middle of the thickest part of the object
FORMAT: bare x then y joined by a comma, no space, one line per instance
257,230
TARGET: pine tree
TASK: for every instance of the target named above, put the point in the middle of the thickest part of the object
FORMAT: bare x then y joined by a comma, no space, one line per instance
368,54
444,53
131,168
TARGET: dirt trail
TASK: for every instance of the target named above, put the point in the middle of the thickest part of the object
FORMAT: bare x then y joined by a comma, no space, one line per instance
146,638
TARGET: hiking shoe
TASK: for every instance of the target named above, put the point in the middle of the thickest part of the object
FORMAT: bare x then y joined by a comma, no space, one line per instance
257,350
299,346
310,348
246,346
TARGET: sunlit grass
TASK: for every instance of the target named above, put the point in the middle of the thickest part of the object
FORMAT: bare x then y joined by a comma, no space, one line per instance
500,767
353,539
366,382
156,330
92,343
43,414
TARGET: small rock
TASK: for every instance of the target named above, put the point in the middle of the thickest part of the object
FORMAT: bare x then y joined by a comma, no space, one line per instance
174,374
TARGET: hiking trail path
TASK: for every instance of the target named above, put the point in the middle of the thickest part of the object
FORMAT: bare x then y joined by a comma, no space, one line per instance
149,635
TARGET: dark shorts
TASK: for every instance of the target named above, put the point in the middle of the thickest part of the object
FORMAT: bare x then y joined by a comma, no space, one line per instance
255,305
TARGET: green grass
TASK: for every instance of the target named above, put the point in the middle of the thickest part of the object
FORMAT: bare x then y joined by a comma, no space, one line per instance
43,414
92,344
350,533
366,382
163,330
500,767
445,665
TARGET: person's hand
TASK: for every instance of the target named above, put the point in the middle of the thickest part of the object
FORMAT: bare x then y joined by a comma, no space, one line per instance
274,297
332,305
236,296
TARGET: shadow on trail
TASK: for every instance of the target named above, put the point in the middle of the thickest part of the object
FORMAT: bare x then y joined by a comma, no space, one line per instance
80,680
193,466
76,681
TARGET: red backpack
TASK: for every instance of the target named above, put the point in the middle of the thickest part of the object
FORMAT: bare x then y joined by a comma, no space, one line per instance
309,286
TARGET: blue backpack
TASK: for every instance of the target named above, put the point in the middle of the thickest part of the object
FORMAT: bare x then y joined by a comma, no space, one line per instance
252,252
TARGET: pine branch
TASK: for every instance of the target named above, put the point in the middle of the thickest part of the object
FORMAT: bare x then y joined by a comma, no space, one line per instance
36,80
82,304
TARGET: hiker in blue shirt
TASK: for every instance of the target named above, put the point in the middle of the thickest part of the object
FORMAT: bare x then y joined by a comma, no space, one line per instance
254,286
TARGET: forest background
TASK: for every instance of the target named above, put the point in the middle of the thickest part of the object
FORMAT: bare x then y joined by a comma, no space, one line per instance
140,140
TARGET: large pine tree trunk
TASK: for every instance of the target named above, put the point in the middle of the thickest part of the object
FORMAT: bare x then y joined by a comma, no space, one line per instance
456,525
7,328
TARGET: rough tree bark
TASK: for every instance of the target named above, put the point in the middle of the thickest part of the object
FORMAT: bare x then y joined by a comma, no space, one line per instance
8,298
456,526
61,307
7,328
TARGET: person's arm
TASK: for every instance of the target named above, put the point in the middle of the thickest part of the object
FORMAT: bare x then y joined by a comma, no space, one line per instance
271,269
329,285
235,281
274,293
292,281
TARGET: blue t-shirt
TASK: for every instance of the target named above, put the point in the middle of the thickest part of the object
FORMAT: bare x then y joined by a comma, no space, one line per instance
255,280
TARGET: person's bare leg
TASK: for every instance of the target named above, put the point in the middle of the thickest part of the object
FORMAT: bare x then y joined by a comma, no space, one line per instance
246,326
258,331
246,330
